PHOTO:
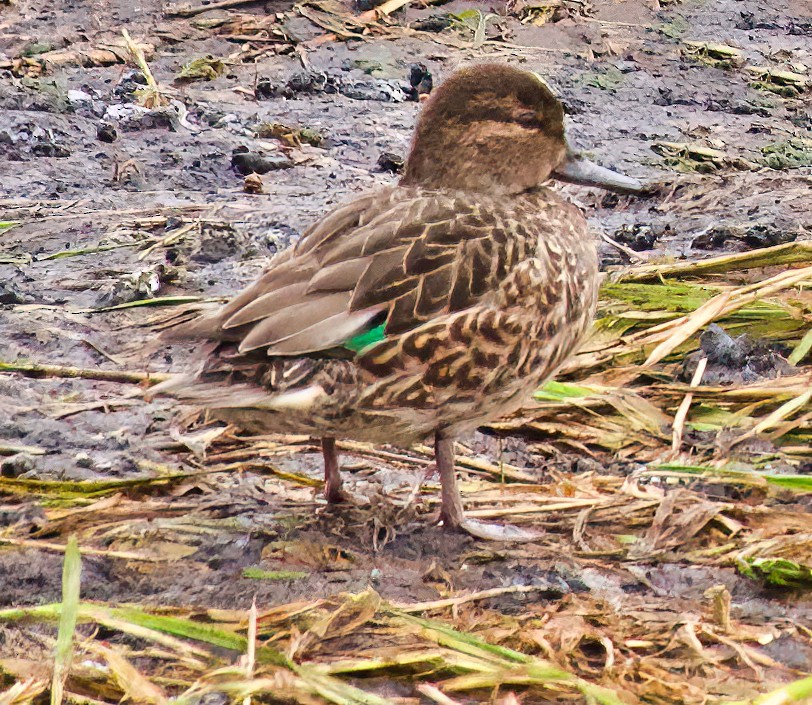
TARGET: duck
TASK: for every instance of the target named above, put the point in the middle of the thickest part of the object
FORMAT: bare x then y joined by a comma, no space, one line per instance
428,307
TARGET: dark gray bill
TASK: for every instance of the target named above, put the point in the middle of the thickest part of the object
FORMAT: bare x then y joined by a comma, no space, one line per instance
578,170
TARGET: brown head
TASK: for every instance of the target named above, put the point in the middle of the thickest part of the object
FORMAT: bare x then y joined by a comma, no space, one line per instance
495,128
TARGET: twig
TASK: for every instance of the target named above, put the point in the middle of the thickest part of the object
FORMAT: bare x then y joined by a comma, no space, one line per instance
416,607
222,5
634,257
40,371
13,450
47,546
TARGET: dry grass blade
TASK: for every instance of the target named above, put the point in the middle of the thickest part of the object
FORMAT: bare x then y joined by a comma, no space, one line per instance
434,693
188,11
137,687
422,607
251,654
71,583
22,692
152,96
795,692
382,10
783,412
789,253
685,405
689,325
724,304
45,545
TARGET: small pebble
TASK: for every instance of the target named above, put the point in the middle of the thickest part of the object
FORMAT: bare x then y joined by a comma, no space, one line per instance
252,183
106,132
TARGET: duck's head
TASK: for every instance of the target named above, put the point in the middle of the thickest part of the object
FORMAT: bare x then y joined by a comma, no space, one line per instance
496,128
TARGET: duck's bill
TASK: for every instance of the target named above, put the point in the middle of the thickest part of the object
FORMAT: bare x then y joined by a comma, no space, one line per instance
578,170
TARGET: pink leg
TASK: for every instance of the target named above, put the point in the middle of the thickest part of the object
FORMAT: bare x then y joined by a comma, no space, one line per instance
451,512
332,474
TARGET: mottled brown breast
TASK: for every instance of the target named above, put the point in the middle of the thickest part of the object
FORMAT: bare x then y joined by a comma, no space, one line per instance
481,357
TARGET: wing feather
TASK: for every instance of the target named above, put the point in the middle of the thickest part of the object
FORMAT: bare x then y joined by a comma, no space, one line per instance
402,253
290,320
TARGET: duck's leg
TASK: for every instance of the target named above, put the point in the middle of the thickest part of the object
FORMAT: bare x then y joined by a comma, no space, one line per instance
332,473
451,512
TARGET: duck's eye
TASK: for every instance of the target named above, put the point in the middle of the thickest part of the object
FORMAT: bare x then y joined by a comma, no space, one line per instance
527,118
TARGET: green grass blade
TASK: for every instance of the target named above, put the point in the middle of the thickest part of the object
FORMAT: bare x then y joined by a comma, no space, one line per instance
71,583
561,391
801,349
74,489
534,670
175,626
259,574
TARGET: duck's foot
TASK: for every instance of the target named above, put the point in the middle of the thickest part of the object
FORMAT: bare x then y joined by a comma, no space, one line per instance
497,532
338,496
452,515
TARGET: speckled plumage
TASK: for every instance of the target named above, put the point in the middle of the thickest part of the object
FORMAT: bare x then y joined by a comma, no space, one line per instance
484,282
484,298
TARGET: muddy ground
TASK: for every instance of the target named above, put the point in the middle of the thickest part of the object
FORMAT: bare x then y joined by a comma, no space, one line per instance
628,85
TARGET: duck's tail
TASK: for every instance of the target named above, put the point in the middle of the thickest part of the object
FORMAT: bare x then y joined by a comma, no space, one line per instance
193,389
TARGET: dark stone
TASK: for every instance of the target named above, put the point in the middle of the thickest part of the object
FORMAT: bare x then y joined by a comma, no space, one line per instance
50,149
800,29
420,82
106,132
9,293
130,82
245,163
433,23
748,21
639,236
735,360
389,161
265,89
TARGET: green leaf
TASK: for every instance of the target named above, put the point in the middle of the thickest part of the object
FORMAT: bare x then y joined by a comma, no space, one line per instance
561,391
802,349
776,571
6,225
259,574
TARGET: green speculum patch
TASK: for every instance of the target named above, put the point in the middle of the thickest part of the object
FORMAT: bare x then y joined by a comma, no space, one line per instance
368,337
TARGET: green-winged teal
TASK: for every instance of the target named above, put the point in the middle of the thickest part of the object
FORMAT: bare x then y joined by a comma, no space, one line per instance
425,308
